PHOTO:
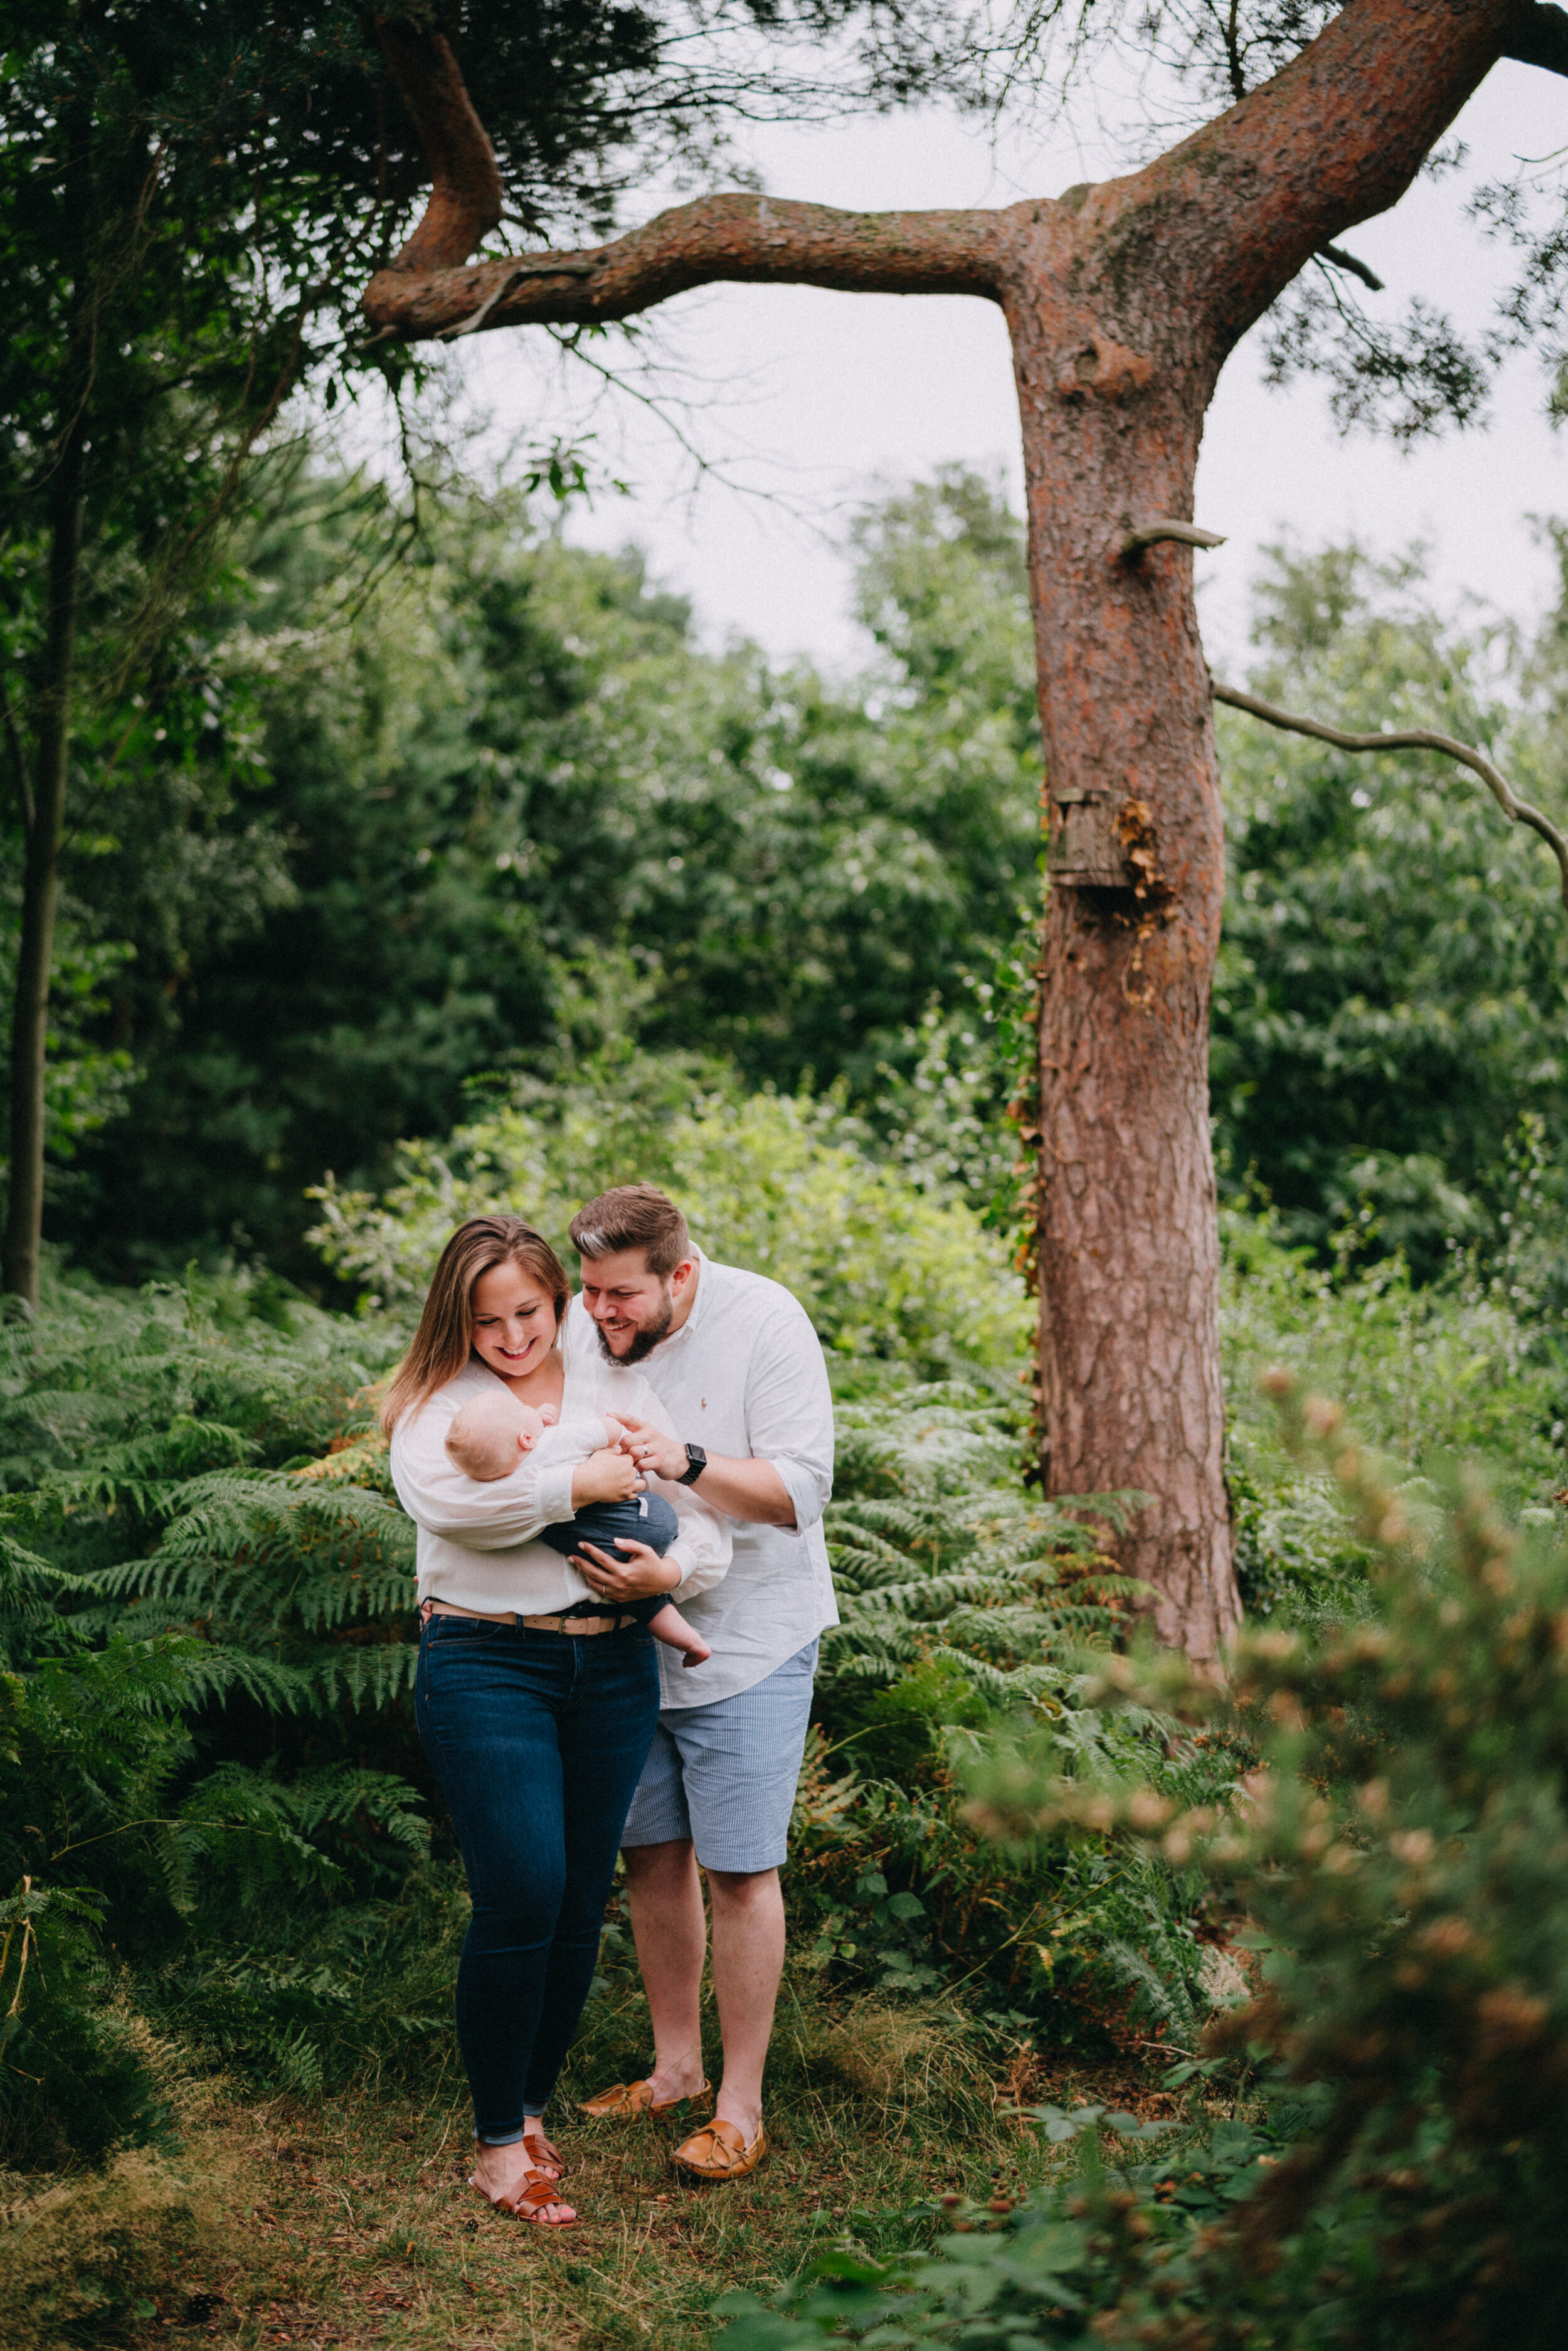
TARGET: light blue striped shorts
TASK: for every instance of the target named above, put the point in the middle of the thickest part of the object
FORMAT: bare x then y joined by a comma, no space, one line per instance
725,1774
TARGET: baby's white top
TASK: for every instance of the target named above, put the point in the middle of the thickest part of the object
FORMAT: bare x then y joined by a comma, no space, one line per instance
477,1545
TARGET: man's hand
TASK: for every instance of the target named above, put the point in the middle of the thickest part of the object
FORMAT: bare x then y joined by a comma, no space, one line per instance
658,1454
751,1490
637,1577
609,1476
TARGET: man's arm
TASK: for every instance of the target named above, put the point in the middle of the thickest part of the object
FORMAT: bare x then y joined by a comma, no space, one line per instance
741,1490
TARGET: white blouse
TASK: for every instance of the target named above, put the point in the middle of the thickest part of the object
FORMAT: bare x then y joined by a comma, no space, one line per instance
477,1546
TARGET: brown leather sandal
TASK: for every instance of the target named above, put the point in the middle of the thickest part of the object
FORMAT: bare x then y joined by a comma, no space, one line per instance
626,2099
532,2202
718,2152
544,2151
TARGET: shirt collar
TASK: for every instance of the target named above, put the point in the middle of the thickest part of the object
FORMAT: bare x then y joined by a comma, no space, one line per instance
700,1303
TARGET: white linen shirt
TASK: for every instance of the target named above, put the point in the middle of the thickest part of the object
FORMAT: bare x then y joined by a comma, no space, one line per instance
744,1376
477,1546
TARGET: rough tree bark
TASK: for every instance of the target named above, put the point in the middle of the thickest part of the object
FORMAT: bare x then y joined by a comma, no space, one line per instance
1122,300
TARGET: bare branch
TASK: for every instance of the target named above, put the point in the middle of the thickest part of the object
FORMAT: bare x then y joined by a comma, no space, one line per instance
464,185
1340,259
1150,534
1413,738
1539,37
749,240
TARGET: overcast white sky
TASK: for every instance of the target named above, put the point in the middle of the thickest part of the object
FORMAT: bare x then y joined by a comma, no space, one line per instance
819,397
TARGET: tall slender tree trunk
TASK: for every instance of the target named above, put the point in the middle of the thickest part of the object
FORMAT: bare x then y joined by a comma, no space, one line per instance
41,875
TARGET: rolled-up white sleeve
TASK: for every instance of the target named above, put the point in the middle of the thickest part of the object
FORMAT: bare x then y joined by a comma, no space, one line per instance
790,1412
489,1513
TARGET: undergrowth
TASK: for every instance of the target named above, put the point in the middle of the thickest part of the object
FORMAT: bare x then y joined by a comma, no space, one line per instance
219,1836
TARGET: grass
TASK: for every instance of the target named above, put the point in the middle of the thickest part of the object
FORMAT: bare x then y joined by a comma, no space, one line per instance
344,2218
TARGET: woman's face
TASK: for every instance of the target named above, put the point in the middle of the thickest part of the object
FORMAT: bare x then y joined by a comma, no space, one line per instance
513,1321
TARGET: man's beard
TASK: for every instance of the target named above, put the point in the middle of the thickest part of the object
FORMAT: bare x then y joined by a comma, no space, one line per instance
646,1340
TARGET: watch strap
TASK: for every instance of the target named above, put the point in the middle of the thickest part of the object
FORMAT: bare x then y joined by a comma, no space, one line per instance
697,1462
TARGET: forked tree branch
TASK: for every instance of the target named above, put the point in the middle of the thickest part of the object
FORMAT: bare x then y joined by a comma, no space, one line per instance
1234,211
1414,738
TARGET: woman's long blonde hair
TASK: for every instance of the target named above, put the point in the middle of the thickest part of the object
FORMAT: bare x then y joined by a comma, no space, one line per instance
444,1337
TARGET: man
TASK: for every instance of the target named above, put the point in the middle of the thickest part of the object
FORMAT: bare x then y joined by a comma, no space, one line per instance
735,1362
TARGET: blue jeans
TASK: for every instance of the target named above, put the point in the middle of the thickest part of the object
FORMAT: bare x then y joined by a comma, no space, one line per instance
537,1740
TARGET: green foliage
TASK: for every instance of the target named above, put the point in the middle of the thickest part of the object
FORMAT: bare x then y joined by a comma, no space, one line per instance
1391,991
885,1267
206,1601
512,811
1401,1860
941,1559
1397,1857
72,2080
1054,2266
963,1600
1472,1366
127,1834
500,814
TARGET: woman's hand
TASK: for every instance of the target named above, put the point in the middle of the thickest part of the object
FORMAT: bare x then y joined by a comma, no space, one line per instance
609,1476
637,1577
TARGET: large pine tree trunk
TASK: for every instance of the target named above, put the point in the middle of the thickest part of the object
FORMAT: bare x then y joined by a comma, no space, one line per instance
1129,1355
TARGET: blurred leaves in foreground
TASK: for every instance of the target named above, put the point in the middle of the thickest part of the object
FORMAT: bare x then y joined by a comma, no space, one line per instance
1372,2153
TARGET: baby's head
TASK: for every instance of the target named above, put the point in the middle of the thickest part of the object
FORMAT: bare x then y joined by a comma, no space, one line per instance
491,1433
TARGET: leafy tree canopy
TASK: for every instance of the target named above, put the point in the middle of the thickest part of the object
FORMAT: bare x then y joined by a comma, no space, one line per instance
1392,997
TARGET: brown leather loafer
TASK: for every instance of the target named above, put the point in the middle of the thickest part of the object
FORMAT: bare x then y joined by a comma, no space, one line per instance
718,2152
625,2099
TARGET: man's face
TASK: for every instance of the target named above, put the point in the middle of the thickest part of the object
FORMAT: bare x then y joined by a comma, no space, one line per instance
632,1307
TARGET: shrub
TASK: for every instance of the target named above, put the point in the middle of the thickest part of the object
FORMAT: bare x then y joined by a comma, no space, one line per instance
886,1265
963,1600
1399,1858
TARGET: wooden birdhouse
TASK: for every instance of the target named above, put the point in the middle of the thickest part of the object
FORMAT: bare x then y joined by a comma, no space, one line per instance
1087,851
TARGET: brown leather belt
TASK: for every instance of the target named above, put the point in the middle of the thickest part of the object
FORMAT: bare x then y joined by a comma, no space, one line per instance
573,1626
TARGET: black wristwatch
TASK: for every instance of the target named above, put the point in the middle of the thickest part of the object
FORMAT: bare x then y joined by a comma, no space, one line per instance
697,1462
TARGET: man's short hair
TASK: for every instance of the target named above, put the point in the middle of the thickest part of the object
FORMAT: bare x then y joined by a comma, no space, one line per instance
634,1215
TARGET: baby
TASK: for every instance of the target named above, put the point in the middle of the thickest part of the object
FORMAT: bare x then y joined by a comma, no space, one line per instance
485,1441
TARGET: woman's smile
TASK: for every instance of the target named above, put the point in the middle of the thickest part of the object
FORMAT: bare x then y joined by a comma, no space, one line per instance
513,1321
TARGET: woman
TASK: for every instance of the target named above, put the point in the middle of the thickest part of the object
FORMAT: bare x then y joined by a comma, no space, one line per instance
536,1723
